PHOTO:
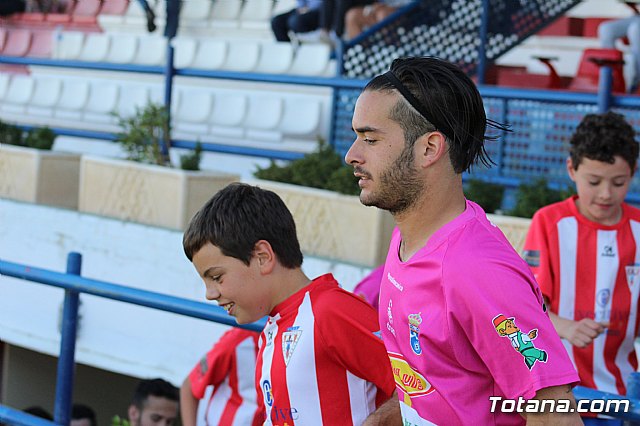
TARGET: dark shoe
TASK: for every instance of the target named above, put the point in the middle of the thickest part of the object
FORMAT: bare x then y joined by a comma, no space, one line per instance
151,17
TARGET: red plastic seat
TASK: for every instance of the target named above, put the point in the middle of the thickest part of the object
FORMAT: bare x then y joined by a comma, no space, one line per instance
86,11
588,74
3,38
41,44
18,42
114,7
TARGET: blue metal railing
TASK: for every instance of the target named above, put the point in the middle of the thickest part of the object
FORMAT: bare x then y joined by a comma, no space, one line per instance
74,284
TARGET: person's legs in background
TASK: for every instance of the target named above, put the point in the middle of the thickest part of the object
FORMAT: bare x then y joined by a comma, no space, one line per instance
633,34
280,25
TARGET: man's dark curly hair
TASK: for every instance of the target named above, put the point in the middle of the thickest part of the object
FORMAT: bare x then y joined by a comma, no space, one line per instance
603,136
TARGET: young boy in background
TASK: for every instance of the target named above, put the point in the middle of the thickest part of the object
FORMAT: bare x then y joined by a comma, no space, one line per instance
585,254
320,358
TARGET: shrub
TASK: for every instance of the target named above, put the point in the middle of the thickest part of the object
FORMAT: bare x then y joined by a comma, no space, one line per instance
145,135
191,161
40,138
488,195
322,169
531,197
10,134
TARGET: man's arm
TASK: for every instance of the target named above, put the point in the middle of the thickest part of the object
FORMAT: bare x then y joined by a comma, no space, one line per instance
388,414
188,404
552,418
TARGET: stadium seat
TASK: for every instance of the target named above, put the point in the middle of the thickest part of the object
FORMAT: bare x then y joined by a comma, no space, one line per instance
114,7
152,50
136,97
5,80
45,97
3,38
301,117
194,110
256,14
41,44
311,59
588,74
283,6
211,54
184,51
86,11
263,117
275,58
229,110
68,45
225,13
18,42
122,48
95,48
73,99
103,101
18,94
242,55
195,13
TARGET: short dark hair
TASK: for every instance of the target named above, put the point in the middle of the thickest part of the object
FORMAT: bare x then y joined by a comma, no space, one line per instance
448,102
81,411
239,216
154,387
38,411
603,136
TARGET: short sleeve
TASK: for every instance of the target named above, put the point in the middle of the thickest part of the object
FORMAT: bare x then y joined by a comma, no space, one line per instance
537,254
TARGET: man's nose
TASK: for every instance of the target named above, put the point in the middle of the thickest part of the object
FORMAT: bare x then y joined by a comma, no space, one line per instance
353,155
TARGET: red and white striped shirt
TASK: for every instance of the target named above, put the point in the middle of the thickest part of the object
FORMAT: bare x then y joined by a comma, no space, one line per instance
223,380
321,360
589,270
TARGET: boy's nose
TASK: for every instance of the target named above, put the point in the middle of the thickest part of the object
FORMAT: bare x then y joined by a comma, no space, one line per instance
212,293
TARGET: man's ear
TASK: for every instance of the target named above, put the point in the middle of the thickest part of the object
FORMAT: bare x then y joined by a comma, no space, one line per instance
430,148
264,256
134,415
570,169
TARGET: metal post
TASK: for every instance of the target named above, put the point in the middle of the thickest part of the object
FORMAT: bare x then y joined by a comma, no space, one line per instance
169,72
66,361
605,87
482,48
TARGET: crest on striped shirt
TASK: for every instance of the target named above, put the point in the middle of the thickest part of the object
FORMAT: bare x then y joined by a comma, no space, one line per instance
290,339
633,275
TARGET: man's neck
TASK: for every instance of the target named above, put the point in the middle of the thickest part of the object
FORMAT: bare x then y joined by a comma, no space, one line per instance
436,208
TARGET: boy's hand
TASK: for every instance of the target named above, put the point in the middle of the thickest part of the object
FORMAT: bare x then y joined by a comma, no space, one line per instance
579,333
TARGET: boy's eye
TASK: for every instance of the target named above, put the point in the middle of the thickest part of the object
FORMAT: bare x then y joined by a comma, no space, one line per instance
594,183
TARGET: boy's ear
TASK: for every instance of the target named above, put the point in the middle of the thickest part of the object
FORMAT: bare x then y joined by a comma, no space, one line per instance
134,414
570,169
264,256
430,148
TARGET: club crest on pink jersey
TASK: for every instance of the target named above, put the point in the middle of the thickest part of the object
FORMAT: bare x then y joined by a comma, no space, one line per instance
521,342
414,333
290,340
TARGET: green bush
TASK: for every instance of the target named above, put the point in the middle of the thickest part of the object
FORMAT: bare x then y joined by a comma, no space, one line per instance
531,197
322,169
40,138
191,161
145,135
10,134
488,195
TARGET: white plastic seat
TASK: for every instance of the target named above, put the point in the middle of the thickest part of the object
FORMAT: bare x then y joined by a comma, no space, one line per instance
73,98
152,50
95,48
275,58
210,55
5,80
242,55
122,48
283,6
68,45
18,94
263,117
102,102
193,112
228,113
256,13
195,10
137,97
301,117
45,96
184,51
311,59
225,13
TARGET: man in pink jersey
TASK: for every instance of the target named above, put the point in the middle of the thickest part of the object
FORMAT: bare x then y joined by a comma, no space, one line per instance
585,254
450,274
220,389
321,360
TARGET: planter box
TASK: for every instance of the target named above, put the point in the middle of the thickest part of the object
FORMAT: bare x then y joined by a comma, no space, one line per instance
149,194
336,226
514,228
38,176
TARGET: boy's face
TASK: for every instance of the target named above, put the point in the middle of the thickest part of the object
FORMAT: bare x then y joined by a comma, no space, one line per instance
601,188
234,285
